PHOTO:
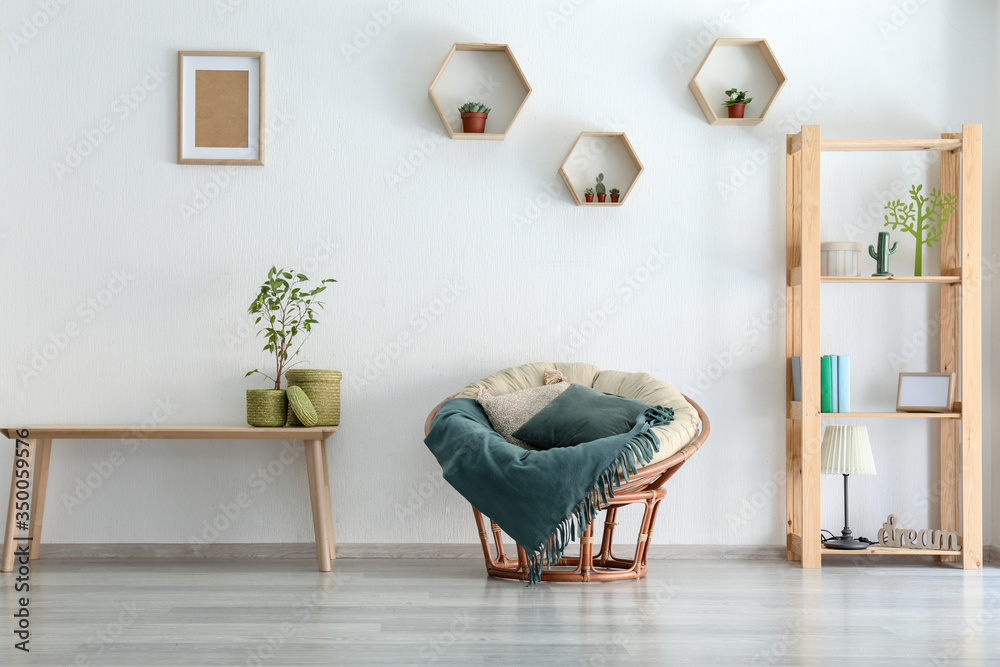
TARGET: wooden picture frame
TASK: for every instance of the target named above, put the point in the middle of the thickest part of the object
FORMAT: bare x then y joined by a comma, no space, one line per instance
925,392
220,107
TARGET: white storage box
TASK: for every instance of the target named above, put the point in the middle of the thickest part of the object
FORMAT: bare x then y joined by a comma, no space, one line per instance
840,259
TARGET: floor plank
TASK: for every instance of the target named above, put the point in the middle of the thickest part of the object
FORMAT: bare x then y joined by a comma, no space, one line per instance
283,612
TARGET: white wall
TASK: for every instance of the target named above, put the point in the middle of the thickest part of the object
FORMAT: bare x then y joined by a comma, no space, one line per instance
360,186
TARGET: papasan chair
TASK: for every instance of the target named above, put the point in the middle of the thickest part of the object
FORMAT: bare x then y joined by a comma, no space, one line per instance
679,440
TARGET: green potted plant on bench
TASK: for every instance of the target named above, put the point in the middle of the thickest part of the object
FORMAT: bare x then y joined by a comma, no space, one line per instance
285,307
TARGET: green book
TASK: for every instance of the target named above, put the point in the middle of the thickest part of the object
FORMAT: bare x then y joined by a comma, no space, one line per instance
826,384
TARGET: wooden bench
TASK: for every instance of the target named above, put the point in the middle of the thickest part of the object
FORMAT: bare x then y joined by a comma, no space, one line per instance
36,447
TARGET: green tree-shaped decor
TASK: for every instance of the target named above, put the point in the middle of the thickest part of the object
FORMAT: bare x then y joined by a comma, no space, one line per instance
925,219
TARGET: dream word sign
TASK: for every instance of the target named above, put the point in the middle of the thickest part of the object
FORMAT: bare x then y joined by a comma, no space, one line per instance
891,536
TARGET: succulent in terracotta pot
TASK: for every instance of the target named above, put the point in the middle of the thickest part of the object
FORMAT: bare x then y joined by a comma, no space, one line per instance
474,117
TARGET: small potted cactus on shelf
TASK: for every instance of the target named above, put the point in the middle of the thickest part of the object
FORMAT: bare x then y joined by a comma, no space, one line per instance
737,102
588,194
474,117
601,190
615,194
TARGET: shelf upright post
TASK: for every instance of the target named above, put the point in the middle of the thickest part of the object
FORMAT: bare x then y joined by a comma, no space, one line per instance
810,323
793,343
950,453
972,341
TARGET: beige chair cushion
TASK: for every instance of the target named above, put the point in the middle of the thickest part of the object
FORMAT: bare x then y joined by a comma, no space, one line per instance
640,386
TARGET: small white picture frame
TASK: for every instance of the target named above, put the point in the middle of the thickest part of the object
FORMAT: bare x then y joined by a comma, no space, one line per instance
220,107
925,392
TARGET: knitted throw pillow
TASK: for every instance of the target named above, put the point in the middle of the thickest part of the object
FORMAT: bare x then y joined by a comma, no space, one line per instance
509,412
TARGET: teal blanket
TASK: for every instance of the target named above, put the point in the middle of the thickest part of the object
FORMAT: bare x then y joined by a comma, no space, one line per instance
543,499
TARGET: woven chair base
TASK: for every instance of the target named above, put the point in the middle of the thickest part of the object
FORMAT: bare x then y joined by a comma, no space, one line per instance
588,566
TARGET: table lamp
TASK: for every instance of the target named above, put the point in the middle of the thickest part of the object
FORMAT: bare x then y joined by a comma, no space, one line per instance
846,451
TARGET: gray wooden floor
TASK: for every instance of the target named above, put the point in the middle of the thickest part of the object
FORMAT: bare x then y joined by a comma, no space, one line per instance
282,612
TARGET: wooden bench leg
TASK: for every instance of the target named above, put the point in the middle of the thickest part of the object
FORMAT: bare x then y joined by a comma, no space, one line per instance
320,506
7,560
327,496
39,483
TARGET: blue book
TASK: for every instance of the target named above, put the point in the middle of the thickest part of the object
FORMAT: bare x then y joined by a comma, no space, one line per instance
844,383
834,395
796,378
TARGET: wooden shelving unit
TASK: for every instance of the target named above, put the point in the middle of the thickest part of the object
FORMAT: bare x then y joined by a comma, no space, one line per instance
891,551
795,412
960,283
708,108
795,278
891,279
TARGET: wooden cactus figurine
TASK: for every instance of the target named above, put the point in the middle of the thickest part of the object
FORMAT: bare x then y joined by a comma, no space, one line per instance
882,256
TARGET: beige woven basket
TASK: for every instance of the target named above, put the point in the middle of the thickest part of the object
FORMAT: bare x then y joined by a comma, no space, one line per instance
323,389
266,407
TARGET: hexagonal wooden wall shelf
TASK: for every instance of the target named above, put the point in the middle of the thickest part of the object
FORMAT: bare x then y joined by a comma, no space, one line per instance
486,73
609,153
746,64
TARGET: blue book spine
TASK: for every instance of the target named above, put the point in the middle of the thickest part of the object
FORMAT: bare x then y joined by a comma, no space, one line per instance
796,378
834,398
844,382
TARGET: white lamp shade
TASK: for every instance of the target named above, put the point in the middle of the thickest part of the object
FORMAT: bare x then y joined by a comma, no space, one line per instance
847,451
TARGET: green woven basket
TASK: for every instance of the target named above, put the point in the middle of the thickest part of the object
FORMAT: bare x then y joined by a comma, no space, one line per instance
266,407
323,389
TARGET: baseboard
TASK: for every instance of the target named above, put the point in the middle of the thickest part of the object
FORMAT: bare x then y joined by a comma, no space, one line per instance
181,550
991,554
716,552
377,550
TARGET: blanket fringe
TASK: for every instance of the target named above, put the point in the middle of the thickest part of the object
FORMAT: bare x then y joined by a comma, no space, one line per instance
638,452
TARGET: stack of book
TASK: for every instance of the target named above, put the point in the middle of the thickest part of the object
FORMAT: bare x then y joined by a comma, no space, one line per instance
835,382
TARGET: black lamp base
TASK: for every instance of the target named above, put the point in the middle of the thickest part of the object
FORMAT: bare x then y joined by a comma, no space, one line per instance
846,540
846,543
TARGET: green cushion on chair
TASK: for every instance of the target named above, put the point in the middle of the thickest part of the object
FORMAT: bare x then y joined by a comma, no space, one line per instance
580,414
302,406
